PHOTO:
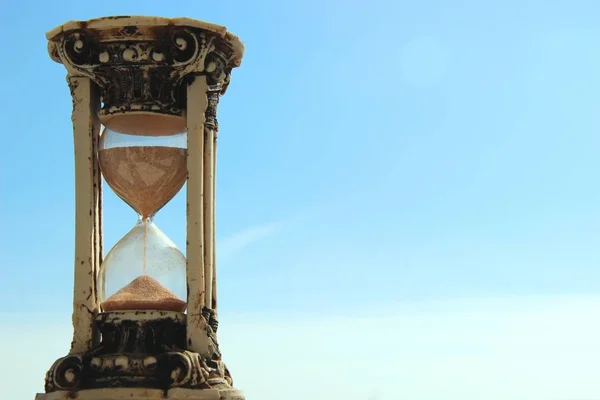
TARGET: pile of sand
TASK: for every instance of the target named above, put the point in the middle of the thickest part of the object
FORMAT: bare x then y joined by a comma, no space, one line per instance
144,293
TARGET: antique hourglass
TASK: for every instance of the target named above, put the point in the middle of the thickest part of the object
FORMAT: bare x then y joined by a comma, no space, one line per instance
145,92
144,163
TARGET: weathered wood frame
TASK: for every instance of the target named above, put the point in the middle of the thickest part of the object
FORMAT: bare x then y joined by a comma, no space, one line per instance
98,54
88,211
200,244
201,227
196,250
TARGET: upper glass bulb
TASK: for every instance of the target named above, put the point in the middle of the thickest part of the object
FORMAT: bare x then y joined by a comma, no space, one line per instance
145,171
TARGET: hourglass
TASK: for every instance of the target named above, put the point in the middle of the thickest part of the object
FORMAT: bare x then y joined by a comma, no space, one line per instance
145,270
145,92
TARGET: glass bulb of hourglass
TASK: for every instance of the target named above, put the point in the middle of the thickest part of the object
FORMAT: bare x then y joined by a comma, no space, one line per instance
144,260
146,172
144,270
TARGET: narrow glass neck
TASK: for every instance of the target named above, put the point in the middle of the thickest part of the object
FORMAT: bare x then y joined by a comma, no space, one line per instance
142,220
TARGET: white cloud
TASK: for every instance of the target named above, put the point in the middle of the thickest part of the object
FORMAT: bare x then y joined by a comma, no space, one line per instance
482,349
234,244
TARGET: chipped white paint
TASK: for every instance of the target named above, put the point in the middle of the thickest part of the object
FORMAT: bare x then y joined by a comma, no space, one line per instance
86,102
214,228
209,215
197,102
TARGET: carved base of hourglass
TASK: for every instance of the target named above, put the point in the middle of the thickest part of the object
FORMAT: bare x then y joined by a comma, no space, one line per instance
146,394
143,349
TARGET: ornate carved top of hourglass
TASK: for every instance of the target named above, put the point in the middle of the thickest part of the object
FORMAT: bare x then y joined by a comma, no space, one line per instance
154,84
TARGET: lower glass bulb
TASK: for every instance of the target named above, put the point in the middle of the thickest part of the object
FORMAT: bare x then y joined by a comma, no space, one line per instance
144,271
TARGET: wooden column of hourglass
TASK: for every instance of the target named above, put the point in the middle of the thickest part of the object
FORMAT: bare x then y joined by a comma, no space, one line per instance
171,68
201,257
88,211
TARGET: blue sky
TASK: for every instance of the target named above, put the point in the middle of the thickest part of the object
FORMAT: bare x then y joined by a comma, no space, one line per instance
371,154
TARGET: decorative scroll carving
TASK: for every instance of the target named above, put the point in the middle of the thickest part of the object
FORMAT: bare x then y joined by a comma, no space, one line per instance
142,349
145,68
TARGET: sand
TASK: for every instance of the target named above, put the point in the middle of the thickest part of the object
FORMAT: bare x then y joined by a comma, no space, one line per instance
144,293
145,177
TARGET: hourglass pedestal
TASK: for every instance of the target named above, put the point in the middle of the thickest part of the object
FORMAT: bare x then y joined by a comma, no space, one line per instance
143,353
147,394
